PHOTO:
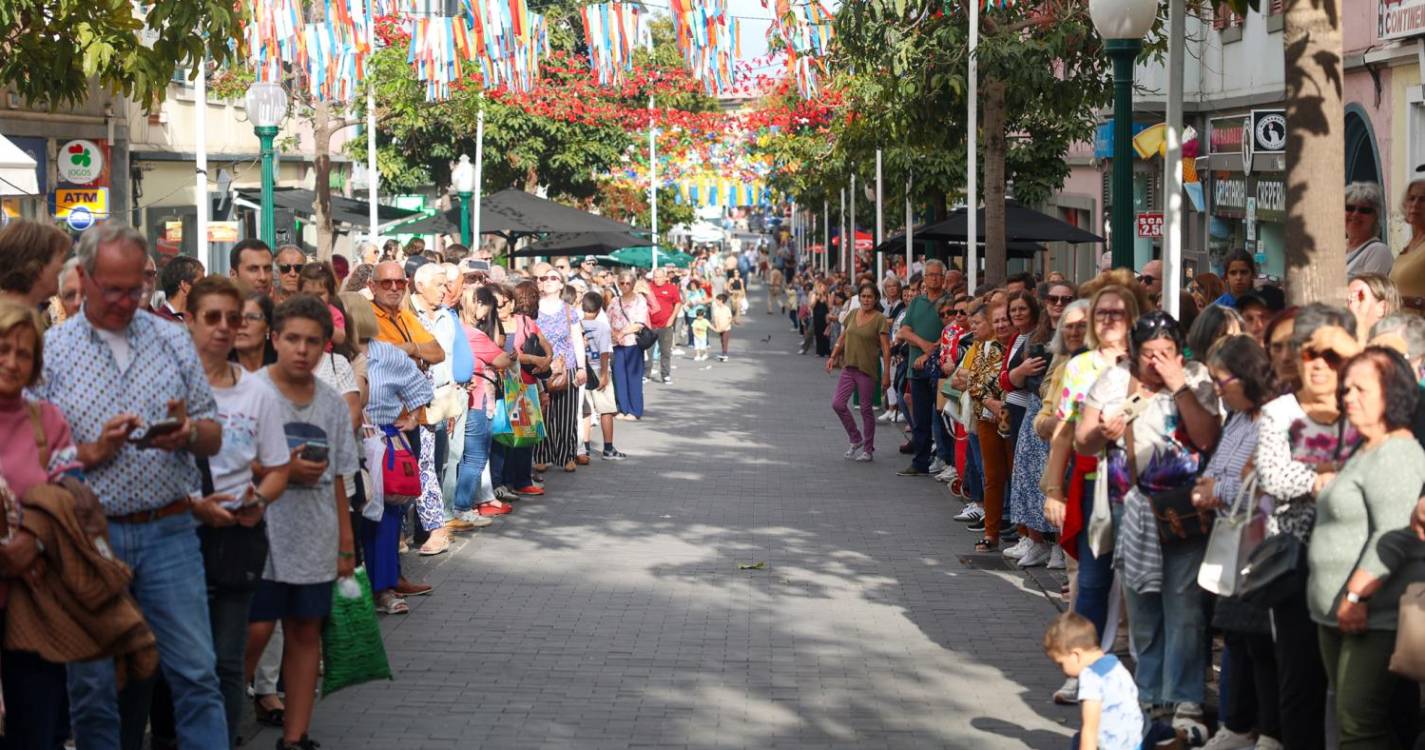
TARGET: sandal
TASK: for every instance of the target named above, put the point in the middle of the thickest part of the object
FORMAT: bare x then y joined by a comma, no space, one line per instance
390,603
986,544
272,717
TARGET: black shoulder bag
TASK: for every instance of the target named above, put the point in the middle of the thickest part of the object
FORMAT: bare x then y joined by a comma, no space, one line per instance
233,556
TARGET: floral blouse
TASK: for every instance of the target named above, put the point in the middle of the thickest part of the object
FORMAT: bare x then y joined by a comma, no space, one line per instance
1290,447
984,375
1080,373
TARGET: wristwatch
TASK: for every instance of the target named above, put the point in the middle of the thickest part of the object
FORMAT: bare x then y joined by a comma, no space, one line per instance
1355,598
192,433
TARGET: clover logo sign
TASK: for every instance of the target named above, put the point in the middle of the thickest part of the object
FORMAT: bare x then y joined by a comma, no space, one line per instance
80,162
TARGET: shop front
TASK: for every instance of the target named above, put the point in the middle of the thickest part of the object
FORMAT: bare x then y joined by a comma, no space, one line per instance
1247,164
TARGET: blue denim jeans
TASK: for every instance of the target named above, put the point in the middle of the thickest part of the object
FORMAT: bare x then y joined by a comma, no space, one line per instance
922,405
974,469
1170,630
172,593
944,438
455,449
472,458
1095,573
511,467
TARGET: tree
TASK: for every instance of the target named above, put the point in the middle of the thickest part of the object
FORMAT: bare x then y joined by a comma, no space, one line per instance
52,50
1315,150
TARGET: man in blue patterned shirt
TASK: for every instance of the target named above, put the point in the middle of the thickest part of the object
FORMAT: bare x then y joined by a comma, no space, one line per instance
135,395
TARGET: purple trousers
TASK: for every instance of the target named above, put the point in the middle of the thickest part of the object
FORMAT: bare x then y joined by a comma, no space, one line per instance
853,379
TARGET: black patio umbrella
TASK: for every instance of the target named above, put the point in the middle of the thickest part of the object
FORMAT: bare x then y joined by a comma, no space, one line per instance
580,243
932,245
301,202
514,213
1021,224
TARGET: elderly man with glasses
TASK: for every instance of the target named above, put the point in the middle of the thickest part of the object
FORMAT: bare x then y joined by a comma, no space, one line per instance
921,329
290,260
113,373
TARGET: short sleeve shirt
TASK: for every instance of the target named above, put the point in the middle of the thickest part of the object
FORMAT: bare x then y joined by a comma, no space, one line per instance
1120,724
1080,373
302,526
399,328
668,298
252,431
923,317
1164,456
82,378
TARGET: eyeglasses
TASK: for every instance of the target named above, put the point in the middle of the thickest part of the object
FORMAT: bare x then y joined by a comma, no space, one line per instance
71,294
947,312
254,318
113,295
551,277
213,317
1146,279
1223,383
150,275
961,312
1058,299
1111,313
1365,210
286,268
390,283
1332,359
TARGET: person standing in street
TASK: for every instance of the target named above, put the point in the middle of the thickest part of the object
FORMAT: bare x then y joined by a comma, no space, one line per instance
920,329
290,260
661,317
114,372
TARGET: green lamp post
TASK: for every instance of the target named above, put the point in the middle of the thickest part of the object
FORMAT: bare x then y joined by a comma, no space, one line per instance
1122,24
462,178
266,107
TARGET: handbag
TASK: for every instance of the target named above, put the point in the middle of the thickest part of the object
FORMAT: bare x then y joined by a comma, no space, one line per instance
1177,519
233,556
1408,659
1231,541
1275,570
400,474
1100,525
447,403
645,337
559,379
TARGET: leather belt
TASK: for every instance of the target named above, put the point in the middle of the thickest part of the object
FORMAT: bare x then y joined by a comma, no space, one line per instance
182,505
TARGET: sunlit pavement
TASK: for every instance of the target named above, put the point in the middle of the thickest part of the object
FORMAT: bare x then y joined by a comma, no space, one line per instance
614,613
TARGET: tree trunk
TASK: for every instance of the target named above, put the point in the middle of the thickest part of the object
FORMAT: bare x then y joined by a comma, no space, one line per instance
992,108
1315,153
322,167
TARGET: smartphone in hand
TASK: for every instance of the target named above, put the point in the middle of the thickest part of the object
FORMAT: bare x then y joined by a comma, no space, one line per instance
154,431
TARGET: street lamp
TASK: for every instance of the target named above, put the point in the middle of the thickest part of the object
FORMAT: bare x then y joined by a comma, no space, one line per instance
1122,24
463,178
266,107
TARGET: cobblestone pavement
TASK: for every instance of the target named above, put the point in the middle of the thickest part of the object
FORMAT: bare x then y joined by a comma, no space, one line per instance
615,614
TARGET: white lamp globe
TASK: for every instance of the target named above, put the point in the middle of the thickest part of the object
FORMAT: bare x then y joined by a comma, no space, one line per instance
1123,19
266,104
463,176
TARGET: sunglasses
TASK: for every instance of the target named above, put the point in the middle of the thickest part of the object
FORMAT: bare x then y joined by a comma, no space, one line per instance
286,268
1366,210
947,312
1146,279
391,283
1058,299
551,277
961,312
254,318
1331,358
1111,313
214,317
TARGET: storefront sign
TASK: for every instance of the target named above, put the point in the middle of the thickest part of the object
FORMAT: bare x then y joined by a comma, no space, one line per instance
1270,195
222,231
1251,220
1229,195
1150,225
1268,131
79,219
1225,134
93,200
173,230
1397,19
80,162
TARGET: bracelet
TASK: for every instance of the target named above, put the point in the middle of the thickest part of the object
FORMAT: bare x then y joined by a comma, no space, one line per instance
1047,490
1182,390
1355,598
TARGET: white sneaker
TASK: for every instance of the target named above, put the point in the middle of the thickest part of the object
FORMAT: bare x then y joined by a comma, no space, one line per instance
947,476
1056,558
1017,550
1269,743
1068,693
1226,739
852,453
937,466
678,351
885,416
471,517
1187,720
972,512
1037,555
864,458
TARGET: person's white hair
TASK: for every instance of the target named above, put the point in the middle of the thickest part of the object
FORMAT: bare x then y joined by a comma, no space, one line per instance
107,233
1409,326
1056,344
452,271
933,262
1367,192
427,273
67,270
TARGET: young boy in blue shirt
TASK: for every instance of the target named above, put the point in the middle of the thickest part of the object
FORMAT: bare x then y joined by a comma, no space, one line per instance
1108,697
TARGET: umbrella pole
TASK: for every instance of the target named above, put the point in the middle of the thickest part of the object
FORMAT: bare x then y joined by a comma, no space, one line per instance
880,229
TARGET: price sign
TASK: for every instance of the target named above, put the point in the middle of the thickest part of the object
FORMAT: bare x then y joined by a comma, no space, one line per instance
1150,226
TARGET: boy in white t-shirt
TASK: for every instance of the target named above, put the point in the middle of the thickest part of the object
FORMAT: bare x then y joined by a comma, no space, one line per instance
599,393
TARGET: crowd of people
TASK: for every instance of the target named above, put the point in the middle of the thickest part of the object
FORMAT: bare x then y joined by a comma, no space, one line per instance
1087,429
224,429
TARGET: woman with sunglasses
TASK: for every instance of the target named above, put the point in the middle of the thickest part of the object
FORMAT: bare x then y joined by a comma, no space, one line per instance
1301,441
1155,416
1366,253
247,475
560,324
627,315
1023,374
252,347
1068,481
1242,376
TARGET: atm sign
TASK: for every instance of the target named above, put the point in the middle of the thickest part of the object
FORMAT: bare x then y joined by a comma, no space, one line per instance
96,200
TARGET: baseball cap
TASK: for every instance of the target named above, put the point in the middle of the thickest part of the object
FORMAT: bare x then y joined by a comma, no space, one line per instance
414,262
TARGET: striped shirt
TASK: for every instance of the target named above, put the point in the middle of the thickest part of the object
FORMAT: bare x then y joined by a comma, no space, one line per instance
395,384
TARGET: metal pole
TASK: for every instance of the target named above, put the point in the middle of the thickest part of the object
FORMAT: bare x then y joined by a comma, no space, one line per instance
909,229
880,227
841,243
1173,163
652,167
972,143
1123,52
265,135
475,236
373,172
850,241
200,169
465,219
826,236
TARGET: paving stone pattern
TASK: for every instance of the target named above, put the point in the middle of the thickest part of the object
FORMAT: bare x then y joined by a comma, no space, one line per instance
613,613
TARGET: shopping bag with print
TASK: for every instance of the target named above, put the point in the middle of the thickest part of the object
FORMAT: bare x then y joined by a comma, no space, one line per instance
526,420
352,652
